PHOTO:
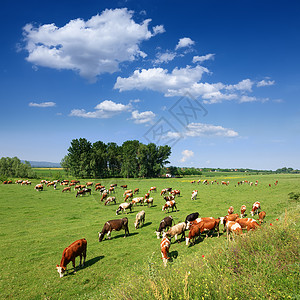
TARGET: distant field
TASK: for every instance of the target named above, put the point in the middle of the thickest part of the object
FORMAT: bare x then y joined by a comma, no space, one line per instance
37,226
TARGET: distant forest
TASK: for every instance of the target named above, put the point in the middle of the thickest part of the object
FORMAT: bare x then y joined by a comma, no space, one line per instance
100,160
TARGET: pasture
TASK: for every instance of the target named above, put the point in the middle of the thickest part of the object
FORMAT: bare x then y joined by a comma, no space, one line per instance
37,226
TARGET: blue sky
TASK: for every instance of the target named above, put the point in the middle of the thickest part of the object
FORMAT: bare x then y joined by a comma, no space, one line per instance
121,70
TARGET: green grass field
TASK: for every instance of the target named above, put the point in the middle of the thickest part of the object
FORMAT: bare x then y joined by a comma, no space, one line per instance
37,226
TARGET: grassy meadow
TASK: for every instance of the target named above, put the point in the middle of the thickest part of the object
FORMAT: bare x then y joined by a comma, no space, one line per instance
37,226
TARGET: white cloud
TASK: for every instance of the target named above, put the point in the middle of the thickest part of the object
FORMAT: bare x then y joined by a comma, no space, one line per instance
103,110
143,117
200,129
203,58
246,98
184,42
186,154
91,47
42,104
265,83
244,85
164,57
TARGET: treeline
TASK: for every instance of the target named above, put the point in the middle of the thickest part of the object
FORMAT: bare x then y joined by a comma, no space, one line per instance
100,160
13,168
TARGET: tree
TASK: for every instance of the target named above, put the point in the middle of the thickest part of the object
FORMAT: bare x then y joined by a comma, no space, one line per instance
130,162
98,161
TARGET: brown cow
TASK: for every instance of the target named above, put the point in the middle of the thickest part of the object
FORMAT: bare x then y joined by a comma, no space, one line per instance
230,210
39,187
164,249
261,216
77,248
243,210
104,196
66,189
136,191
247,223
112,225
255,208
233,228
168,205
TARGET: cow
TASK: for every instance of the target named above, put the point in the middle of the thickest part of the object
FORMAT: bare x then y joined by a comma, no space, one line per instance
247,223
110,199
231,217
104,196
123,207
75,181
89,183
191,217
255,208
19,181
261,217
164,224
114,225
128,196
169,198
175,193
39,187
137,200
136,191
176,230
163,192
147,195
230,210
148,201
5,182
97,184
111,190
66,189
233,228
164,249
193,181
209,224
127,192
78,248
140,218
79,187
194,195
83,192
152,189
124,186
168,205
243,210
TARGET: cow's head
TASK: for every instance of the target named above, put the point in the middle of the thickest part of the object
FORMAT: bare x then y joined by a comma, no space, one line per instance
61,271
157,234
101,236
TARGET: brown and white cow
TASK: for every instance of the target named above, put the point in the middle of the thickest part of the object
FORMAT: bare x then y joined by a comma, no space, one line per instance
168,205
248,223
231,217
176,230
128,196
110,199
194,194
152,189
77,248
230,210
104,196
75,181
127,192
261,217
66,189
136,191
124,186
123,206
175,193
137,200
164,249
148,201
114,225
83,192
164,224
233,228
139,219
255,208
89,183
243,210
39,187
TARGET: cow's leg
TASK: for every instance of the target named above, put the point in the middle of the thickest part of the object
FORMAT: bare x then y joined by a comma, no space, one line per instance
80,260
73,262
108,235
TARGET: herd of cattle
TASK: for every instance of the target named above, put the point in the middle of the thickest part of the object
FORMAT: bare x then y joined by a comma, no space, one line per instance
233,223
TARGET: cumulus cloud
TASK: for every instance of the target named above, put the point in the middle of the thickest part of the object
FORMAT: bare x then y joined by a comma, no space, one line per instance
186,154
200,129
203,58
142,117
265,83
244,85
103,110
42,104
91,47
184,42
164,57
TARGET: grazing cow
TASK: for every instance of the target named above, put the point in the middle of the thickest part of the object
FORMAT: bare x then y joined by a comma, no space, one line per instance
193,181
176,230
66,189
140,218
5,182
231,217
152,189
255,208
72,184
168,205
136,191
110,199
39,187
19,181
194,194
129,195
147,195
99,188
169,198
79,187
77,248
148,201
89,183
261,216
104,196
97,184
123,206
75,181
243,210
114,185
114,225
247,223
127,192
230,210
175,193
124,186
111,189
164,225
191,217
137,200
164,249
64,183
233,228
163,192
83,192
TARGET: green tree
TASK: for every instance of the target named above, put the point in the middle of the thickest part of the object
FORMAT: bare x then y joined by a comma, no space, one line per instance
129,159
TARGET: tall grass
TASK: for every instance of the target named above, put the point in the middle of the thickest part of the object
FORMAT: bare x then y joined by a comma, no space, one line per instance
260,265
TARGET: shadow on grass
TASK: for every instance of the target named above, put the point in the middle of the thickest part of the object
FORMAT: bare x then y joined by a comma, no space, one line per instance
173,255
147,224
92,261
119,236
